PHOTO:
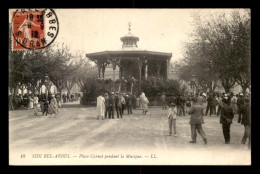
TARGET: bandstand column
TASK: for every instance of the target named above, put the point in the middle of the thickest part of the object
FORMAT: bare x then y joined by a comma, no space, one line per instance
168,68
146,70
104,64
139,61
158,68
99,64
120,72
114,62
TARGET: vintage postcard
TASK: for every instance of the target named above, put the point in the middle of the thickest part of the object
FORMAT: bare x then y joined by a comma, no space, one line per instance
129,86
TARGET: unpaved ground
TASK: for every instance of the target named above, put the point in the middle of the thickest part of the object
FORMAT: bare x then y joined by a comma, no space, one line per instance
77,130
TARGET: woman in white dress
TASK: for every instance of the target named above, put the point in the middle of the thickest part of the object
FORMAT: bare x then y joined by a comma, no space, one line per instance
30,101
145,103
100,107
53,106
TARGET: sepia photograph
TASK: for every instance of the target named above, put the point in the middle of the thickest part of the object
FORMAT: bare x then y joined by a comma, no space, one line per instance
129,86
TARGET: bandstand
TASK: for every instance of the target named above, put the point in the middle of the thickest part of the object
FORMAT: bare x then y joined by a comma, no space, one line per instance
131,61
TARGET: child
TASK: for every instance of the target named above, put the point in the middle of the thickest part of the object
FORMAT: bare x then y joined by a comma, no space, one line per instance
172,112
46,106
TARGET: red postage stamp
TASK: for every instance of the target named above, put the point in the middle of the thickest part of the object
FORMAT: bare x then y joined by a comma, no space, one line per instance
34,29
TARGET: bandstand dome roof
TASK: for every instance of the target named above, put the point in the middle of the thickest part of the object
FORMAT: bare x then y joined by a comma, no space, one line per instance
129,53
129,50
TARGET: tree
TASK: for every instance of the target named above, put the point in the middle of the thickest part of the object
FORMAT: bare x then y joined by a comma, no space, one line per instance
241,27
196,62
16,66
36,67
60,67
85,72
28,68
220,49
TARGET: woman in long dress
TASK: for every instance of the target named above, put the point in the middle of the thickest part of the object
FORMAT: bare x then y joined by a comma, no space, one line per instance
31,102
53,106
100,107
141,101
145,103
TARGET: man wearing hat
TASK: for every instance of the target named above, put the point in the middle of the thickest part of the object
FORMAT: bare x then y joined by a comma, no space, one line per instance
163,100
172,113
240,103
210,105
128,100
226,118
106,105
196,121
246,121
112,105
118,103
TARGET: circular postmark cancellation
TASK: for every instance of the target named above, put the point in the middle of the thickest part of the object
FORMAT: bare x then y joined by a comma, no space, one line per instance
34,28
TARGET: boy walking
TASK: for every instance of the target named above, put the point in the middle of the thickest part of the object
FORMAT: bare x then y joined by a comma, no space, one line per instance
172,112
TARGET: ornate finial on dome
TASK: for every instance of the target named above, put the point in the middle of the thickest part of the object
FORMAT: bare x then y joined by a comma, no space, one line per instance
129,40
129,24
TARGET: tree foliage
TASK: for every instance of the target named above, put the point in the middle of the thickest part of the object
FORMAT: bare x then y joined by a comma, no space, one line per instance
28,68
220,49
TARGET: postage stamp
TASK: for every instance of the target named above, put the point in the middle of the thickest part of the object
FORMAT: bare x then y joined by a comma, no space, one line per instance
34,28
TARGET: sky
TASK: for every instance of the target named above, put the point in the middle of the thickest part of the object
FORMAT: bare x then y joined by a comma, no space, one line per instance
93,30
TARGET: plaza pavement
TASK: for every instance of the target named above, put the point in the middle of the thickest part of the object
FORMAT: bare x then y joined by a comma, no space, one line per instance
76,129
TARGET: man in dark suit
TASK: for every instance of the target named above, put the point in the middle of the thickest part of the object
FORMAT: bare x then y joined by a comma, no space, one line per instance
106,105
163,100
240,103
245,109
118,105
128,101
134,101
178,104
183,102
196,121
210,105
112,105
226,118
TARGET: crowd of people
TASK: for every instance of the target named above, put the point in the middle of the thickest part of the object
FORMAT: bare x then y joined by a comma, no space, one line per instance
66,98
183,103
111,105
37,102
227,104
20,101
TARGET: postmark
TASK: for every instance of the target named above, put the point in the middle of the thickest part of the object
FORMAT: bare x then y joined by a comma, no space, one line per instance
34,28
